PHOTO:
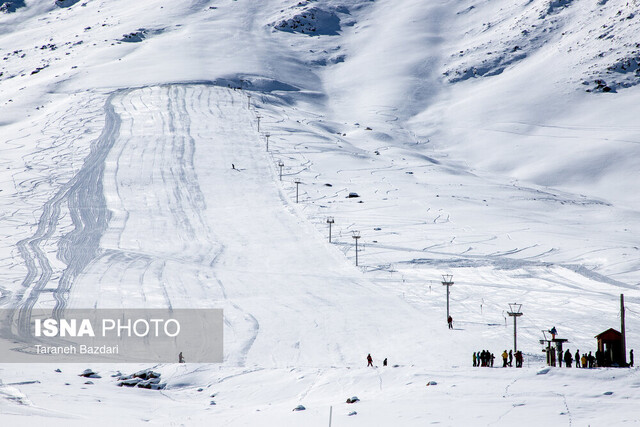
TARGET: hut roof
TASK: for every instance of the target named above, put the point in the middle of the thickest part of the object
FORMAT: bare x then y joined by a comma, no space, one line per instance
609,334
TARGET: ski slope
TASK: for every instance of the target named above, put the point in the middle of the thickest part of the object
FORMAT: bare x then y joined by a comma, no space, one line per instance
469,157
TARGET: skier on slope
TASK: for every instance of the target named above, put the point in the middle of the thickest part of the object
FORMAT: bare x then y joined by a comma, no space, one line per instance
369,360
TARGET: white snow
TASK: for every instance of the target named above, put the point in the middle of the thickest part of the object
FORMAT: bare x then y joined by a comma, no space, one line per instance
470,157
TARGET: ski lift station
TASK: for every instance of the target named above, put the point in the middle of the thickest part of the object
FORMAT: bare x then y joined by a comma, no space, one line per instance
611,344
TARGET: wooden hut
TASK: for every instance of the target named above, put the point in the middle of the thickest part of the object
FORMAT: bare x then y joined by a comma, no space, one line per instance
611,347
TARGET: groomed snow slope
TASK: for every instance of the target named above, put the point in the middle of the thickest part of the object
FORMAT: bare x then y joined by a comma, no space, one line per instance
120,124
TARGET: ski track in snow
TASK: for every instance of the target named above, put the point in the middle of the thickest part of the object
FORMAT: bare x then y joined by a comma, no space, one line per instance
83,194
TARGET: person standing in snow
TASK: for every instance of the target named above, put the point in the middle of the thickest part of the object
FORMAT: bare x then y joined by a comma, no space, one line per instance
384,362
559,351
180,358
631,358
492,358
567,358
504,358
450,322
475,359
510,358
577,358
369,360
518,359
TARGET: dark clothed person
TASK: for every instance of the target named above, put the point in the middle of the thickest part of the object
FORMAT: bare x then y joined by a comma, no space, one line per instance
567,358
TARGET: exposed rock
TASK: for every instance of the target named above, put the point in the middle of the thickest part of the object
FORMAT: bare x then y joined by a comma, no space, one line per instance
88,373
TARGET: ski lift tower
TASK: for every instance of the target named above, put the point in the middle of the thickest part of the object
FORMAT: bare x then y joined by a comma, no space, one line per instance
356,235
280,165
258,116
330,221
267,135
514,311
297,182
448,282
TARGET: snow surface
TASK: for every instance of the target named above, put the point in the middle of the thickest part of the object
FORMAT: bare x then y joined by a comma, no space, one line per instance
508,168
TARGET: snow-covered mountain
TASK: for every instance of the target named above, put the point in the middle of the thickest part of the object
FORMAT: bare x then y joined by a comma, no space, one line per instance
492,140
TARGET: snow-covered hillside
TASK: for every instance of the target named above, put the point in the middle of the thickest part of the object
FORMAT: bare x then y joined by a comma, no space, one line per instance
492,140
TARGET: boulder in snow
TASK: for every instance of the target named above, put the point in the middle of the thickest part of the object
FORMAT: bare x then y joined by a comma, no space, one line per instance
89,373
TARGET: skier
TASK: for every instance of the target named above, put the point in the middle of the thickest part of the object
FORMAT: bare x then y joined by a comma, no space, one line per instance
180,358
233,166
475,358
510,358
384,362
577,358
492,358
584,361
369,360
504,358
450,322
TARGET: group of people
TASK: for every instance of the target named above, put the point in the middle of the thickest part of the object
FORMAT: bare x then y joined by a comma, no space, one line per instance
486,358
510,356
483,358
370,361
599,360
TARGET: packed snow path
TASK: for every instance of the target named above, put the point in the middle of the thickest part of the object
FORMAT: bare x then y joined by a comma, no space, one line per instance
186,229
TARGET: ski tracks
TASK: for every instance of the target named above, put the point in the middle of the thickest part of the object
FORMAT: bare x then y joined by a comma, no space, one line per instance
87,210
